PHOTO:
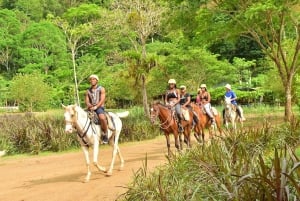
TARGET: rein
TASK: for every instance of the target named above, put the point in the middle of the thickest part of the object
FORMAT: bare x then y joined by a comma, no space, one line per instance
164,125
82,132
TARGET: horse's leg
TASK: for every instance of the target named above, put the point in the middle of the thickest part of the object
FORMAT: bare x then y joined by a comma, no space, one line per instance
180,141
85,150
114,154
95,155
168,144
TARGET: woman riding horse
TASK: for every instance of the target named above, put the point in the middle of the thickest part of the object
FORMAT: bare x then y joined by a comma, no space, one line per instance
203,100
172,99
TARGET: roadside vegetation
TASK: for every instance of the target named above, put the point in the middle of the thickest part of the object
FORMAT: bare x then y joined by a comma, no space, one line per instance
259,162
33,133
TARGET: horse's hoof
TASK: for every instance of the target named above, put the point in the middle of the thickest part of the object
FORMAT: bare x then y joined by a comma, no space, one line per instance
108,174
121,168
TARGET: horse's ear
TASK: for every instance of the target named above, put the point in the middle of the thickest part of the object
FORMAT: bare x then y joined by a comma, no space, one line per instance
63,106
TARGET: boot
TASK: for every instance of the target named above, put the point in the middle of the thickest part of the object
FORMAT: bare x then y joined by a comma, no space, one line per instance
223,112
180,128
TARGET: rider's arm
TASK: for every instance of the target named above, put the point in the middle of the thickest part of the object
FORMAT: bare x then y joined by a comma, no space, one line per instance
166,99
208,97
102,98
233,96
188,101
178,96
87,101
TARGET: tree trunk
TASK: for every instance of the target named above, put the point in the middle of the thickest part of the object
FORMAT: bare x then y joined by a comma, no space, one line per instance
288,114
77,101
145,99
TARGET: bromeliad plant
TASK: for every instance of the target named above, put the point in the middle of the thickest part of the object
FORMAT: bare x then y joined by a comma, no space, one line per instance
247,165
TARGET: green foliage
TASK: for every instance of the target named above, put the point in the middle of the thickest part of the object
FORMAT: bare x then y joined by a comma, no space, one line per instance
248,165
30,91
33,134
137,126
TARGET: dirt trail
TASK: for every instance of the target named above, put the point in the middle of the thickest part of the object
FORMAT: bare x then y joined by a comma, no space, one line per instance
60,176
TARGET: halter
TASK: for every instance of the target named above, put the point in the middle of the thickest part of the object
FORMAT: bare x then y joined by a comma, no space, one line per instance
162,125
81,132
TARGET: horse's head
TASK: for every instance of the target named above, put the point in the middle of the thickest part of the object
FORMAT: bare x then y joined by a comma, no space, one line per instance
154,112
227,102
69,115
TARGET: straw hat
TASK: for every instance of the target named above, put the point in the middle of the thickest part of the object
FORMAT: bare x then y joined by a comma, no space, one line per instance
228,86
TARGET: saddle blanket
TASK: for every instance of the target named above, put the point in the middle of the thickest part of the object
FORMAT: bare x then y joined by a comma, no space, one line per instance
186,114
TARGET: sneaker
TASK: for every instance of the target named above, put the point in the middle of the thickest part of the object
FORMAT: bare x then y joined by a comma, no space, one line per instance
104,139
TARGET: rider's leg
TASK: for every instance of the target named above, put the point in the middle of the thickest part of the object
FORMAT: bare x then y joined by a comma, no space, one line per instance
178,112
240,113
103,124
207,108
223,114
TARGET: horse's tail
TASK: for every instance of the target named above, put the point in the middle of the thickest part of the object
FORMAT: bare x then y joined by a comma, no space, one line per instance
122,114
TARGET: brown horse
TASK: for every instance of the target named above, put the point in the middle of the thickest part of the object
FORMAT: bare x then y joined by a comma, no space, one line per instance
204,122
169,125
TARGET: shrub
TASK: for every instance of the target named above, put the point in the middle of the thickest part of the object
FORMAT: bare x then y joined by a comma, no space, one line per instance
248,165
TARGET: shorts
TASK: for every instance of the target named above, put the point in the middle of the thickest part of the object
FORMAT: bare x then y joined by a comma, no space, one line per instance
100,110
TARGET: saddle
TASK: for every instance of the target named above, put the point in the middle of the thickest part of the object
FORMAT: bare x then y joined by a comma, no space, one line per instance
95,118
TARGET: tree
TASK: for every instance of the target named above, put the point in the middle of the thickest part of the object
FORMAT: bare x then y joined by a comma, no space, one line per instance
273,25
9,29
30,91
78,26
42,49
144,18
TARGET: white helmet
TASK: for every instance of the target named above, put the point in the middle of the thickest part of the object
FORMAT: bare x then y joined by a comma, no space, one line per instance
228,86
182,87
203,86
172,81
94,76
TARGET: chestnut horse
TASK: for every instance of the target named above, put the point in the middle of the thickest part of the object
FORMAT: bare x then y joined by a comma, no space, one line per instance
169,125
205,122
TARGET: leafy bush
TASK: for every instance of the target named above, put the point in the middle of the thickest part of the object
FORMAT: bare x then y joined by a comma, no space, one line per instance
137,126
33,134
248,165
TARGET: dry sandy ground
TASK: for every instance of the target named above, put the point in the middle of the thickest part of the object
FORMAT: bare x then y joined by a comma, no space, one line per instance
60,176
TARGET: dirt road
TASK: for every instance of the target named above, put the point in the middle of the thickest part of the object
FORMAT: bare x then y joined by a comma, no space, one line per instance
60,176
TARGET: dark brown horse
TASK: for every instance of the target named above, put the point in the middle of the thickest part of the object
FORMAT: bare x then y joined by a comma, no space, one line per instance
204,122
169,125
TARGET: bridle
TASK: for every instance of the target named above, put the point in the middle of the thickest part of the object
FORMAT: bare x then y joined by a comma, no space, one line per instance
81,131
154,114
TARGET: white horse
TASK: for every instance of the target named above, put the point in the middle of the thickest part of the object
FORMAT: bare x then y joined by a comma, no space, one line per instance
231,115
89,135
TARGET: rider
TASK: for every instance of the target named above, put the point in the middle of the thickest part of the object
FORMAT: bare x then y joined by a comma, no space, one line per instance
172,98
204,99
94,100
185,98
230,94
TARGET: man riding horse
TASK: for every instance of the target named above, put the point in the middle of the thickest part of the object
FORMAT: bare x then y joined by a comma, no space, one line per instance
230,94
94,100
